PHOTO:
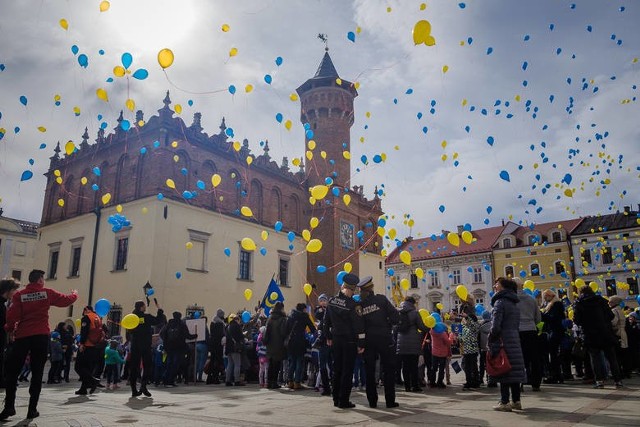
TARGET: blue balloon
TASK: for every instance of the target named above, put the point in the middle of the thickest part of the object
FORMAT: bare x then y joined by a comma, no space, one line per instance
96,171
263,251
127,59
200,185
479,309
437,317
150,292
291,236
246,316
351,36
505,176
95,187
391,272
340,277
178,275
356,298
277,226
440,327
141,74
26,175
227,251
83,60
279,61
268,79
197,314
23,100
102,307
321,269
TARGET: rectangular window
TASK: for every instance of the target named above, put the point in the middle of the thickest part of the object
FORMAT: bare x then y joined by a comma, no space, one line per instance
586,256
457,278
607,256
195,256
633,286
480,301
283,272
122,248
53,263
508,271
16,274
559,267
75,261
20,248
627,253
114,316
435,282
477,274
414,281
610,284
244,268
506,243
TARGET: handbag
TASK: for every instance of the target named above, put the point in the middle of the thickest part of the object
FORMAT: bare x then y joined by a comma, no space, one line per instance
499,364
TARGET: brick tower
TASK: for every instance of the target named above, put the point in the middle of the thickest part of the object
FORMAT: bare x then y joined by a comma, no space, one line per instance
345,228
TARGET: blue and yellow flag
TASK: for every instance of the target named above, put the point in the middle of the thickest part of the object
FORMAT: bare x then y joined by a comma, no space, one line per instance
271,297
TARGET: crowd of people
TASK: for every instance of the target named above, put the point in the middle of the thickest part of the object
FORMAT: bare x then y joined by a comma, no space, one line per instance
355,338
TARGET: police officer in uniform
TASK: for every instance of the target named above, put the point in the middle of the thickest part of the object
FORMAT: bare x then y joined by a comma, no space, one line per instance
379,317
344,329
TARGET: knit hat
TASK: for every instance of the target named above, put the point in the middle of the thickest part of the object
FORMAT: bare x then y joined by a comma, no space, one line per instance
323,297
350,281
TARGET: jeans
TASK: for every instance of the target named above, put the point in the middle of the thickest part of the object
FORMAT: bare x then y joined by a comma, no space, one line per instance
202,351
359,377
234,365
439,365
113,374
324,358
504,392
296,364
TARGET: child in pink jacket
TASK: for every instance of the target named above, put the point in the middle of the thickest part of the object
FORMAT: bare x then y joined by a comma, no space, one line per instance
440,350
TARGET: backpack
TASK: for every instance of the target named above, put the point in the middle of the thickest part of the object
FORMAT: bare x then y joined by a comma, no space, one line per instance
173,334
403,324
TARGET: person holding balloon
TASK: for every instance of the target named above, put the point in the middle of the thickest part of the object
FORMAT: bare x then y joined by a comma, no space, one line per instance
530,316
27,325
552,316
234,348
410,329
297,323
140,325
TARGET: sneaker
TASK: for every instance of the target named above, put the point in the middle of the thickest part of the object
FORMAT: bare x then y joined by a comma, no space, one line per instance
393,405
516,405
598,384
502,407
6,413
32,414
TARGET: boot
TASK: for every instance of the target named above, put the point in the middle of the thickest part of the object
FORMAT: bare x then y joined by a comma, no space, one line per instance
290,385
134,391
33,411
7,412
143,389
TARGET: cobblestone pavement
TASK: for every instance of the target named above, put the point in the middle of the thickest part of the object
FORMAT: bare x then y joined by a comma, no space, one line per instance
198,405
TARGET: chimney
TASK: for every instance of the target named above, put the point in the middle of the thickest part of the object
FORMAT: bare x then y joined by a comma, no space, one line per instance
460,229
503,222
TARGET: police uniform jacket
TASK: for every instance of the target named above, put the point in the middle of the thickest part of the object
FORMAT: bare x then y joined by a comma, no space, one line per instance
343,320
379,316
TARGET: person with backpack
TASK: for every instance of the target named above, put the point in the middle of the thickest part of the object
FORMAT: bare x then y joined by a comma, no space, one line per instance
297,323
409,345
234,348
174,336
90,349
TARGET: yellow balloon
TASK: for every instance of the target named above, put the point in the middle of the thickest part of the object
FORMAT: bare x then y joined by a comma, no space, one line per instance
170,183
264,234
313,222
462,292
106,198
307,289
467,237
306,235
430,322
61,203
247,294
445,68
346,199
528,284
104,6
319,191
454,239
119,208
570,314
69,147
249,160
314,245
405,257
293,97
419,273
118,71
380,231
323,154
422,33
288,124
246,211
346,155
178,109
59,180
102,94
215,180
248,88
130,321
225,27
392,233
83,180
348,267
189,245
145,210
424,314
130,104
404,284
439,306
64,24
594,286
248,244
233,51
580,283
165,58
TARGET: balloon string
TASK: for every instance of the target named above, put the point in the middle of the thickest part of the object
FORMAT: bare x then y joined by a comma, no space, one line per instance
191,92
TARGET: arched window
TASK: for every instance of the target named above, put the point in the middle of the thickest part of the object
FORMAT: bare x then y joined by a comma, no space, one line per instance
556,237
256,199
122,163
534,269
294,213
532,239
275,205
210,169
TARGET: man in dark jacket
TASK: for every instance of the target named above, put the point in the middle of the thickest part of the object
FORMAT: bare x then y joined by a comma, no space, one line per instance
174,336
297,323
216,333
8,287
234,348
379,317
593,314
90,349
324,351
27,324
141,349
344,329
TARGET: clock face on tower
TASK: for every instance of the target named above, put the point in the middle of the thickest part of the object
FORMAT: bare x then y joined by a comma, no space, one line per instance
346,235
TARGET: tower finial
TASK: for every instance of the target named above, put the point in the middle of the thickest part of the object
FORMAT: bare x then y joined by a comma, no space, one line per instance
325,40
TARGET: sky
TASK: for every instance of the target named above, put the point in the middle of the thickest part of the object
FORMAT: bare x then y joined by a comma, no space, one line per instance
520,111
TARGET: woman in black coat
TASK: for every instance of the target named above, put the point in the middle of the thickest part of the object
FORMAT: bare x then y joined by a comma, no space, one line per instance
297,324
553,317
505,325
